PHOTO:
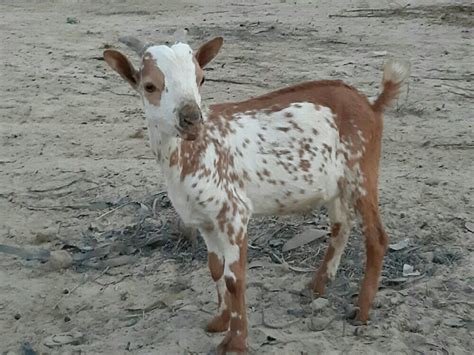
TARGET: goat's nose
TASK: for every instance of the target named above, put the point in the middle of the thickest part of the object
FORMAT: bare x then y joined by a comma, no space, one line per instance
189,114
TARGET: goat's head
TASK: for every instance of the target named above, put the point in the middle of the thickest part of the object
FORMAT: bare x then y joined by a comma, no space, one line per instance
169,82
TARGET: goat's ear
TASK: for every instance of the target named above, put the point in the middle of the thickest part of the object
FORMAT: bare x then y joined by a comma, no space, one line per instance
118,62
208,51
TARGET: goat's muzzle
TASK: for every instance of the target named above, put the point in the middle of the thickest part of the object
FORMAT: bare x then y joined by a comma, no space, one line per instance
190,120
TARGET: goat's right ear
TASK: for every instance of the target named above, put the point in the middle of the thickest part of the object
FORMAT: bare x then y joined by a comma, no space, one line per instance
118,62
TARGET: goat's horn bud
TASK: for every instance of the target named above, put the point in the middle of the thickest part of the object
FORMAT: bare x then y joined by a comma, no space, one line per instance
135,44
181,35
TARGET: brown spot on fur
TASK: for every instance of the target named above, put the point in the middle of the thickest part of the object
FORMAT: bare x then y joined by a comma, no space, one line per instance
216,266
328,148
230,230
296,126
241,234
151,75
305,165
222,216
174,158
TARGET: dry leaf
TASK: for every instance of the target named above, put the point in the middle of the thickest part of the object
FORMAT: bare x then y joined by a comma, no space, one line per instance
469,226
308,235
409,270
400,245
379,53
256,264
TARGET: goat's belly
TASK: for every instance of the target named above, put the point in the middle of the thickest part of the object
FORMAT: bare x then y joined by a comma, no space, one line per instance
288,196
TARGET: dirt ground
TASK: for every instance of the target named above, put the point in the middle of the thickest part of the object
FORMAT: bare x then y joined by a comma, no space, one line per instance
77,177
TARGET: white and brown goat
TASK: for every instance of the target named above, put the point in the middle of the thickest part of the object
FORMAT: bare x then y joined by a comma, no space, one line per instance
289,151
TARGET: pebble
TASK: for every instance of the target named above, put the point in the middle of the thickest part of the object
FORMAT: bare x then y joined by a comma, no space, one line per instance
318,324
45,236
319,304
59,259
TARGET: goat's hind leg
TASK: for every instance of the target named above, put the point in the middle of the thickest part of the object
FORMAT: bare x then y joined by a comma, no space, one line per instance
376,242
340,217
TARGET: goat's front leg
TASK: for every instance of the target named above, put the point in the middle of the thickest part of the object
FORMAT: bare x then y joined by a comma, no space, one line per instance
220,323
215,261
235,259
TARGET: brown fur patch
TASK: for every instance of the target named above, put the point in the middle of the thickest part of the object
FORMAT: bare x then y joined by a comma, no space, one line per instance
216,266
305,165
150,74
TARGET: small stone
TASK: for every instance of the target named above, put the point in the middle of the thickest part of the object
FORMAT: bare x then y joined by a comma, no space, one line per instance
17,316
26,348
67,319
137,134
72,338
396,299
318,324
59,259
319,304
432,182
454,322
72,20
428,256
45,236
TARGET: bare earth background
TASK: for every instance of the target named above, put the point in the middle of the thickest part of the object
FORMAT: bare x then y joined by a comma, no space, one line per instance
74,146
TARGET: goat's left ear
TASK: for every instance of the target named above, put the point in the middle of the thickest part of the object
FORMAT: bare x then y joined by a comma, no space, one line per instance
118,62
208,51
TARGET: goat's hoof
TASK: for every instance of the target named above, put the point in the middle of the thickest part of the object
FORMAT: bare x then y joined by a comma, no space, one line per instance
219,323
354,316
318,286
351,312
307,292
232,344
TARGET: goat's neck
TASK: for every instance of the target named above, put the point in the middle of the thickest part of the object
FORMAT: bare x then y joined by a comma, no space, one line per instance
164,146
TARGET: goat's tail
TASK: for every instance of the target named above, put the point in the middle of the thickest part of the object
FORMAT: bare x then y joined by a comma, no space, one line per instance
395,72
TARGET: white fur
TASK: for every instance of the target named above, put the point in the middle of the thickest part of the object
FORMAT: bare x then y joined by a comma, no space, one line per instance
262,196
338,213
179,70
396,71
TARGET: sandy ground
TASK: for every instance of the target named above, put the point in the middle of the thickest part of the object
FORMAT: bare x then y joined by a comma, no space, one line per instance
74,147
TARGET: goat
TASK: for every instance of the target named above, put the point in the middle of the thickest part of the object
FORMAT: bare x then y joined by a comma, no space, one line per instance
289,151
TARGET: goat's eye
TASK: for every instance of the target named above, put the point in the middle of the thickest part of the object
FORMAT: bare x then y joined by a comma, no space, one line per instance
202,81
150,87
